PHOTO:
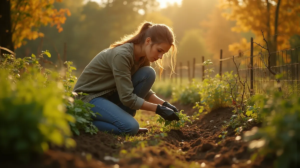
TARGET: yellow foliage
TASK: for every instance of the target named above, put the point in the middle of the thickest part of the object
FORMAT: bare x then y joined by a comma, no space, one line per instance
242,46
28,16
156,17
253,15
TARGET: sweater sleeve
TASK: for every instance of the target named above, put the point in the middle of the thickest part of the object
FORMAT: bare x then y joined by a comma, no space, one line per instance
122,75
149,94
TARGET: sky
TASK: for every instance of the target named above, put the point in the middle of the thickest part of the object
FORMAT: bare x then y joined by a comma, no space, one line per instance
163,3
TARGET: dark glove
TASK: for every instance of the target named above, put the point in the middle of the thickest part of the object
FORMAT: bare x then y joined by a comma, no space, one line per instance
167,104
166,113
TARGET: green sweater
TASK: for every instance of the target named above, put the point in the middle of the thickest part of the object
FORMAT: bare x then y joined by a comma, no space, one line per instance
111,70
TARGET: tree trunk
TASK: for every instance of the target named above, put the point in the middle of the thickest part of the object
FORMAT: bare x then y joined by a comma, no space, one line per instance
268,22
5,28
274,45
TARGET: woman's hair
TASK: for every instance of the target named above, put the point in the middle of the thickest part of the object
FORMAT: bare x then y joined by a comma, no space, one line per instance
159,33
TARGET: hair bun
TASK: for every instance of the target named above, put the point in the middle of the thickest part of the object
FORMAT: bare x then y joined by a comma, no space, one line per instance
146,25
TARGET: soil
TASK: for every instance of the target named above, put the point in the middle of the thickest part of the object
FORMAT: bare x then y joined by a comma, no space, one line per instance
198,143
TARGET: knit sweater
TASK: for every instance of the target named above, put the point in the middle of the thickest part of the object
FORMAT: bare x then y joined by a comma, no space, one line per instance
111,70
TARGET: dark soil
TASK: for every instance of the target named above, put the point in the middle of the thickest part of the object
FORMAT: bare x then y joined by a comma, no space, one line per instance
198,142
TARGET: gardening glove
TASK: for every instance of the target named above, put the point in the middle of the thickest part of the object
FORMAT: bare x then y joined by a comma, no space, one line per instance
166,113
167,104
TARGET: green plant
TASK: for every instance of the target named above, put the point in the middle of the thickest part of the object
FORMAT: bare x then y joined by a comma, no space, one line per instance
168,125
213,93
83,114
80,110
31,114
188,94
281,123
223,135
163,89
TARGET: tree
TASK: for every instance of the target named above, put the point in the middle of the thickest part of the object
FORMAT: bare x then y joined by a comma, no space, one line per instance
190,14
28,15
91,28
192,46
218,34
5,28
278,19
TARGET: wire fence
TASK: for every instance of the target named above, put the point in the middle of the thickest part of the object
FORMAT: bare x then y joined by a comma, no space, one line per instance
258,68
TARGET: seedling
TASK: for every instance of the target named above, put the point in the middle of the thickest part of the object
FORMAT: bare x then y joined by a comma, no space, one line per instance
168,125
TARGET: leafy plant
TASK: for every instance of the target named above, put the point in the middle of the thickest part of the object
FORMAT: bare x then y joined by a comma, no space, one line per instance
213,93
223,135
168,125
163,89
278,136
31,114
80,110
188,94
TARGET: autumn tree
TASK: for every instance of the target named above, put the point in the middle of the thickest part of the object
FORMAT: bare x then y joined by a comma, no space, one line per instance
190,14
278,19
26,17
191,46
5,28
218,34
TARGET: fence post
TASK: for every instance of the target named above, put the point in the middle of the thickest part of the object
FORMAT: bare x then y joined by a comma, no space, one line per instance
194,67
203,68
220,70
180,71
251,70
188,69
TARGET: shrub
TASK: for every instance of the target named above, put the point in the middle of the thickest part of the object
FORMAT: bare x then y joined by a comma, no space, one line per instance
163,89
31,115
279,134
80,110
213,93
188,94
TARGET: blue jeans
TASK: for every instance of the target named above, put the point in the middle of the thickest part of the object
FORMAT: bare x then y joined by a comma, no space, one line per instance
117,118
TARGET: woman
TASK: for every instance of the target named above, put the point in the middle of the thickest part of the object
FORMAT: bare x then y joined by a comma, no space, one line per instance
118,80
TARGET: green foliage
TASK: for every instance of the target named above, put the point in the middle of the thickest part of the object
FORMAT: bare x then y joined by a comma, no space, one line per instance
163,89
80,110
31,114
33,103
214,92
82,113
222,136
281,123
188,94
168,125
192,45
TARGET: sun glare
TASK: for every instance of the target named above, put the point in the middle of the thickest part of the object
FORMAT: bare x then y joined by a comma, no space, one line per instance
163,3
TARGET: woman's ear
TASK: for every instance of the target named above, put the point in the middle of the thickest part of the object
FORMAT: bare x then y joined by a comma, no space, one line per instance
148,40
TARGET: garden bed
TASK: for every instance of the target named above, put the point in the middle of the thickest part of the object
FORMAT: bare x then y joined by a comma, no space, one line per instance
195,145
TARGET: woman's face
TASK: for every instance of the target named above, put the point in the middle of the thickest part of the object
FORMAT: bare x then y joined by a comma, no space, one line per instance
155,51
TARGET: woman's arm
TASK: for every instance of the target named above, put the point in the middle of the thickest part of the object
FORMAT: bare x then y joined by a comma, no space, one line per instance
155,99
149,106
152,102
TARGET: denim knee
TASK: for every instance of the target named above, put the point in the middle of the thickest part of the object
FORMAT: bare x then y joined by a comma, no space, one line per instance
151,74
132,127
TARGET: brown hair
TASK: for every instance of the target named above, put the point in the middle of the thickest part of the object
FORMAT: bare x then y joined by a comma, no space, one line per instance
159,33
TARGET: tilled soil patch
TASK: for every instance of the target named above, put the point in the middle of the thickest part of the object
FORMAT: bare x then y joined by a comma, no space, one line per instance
195,145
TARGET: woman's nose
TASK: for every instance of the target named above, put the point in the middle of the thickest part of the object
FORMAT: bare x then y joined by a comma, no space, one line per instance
160,56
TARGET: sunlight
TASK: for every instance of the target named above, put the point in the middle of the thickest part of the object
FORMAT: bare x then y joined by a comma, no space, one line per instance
163,3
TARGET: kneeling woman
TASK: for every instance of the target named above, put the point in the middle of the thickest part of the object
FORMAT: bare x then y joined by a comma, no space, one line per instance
118,80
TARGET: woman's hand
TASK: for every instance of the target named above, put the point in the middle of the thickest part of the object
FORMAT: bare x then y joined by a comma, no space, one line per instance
166,113
167,104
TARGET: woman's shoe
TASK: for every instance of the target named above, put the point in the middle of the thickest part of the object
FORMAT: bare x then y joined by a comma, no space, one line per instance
142,131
